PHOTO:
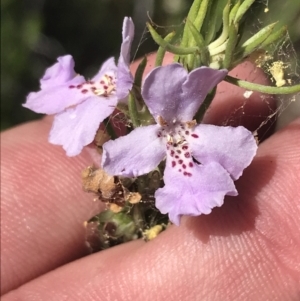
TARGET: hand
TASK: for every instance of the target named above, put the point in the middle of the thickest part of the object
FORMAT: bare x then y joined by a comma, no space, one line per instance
246,250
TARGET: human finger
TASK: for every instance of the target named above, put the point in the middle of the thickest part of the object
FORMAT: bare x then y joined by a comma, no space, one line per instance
246,249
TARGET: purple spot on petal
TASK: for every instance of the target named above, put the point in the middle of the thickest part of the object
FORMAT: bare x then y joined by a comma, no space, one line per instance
79,86
84,91
187,155
191,164
183,166
176,157
195,136
180,161
185,147
187,132
173,163
179,151
71,86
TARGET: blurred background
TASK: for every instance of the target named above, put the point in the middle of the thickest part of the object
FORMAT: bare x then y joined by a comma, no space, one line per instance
35,32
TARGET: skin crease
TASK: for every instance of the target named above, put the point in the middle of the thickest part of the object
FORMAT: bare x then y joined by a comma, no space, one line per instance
246,250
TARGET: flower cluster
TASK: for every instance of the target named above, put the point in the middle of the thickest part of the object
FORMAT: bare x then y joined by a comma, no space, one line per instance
81,105
201,162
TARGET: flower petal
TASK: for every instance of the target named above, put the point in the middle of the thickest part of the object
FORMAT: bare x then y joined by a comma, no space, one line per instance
127,36
232,147
56,99
77,127
124,81
124,76
193,195
134,154
55,94
108,67
60,73
194,90
162,91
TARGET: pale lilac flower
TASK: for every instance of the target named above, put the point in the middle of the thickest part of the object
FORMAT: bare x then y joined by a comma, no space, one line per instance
81,105
202,161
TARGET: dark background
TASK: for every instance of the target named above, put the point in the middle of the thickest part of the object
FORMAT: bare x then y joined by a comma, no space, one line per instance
35,32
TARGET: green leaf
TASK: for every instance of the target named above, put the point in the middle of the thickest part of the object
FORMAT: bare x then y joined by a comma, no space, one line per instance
201,15
274,37
173,49
234,11
162,51
224,35
242,10
139,72
229,51
203,51
253,43
191,16
211,21
133,112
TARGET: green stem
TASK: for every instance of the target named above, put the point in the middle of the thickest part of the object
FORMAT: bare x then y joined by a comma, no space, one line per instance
133,113
261,88
173,49
110,129
145,116
139,72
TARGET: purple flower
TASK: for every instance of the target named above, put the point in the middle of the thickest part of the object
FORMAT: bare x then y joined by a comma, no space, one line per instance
81,105
202,161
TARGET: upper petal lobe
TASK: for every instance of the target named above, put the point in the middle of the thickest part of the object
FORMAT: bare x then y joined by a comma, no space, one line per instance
162,90
195,89
124,76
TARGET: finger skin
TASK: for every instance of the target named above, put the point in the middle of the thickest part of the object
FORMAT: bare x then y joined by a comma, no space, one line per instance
43,206
246,250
